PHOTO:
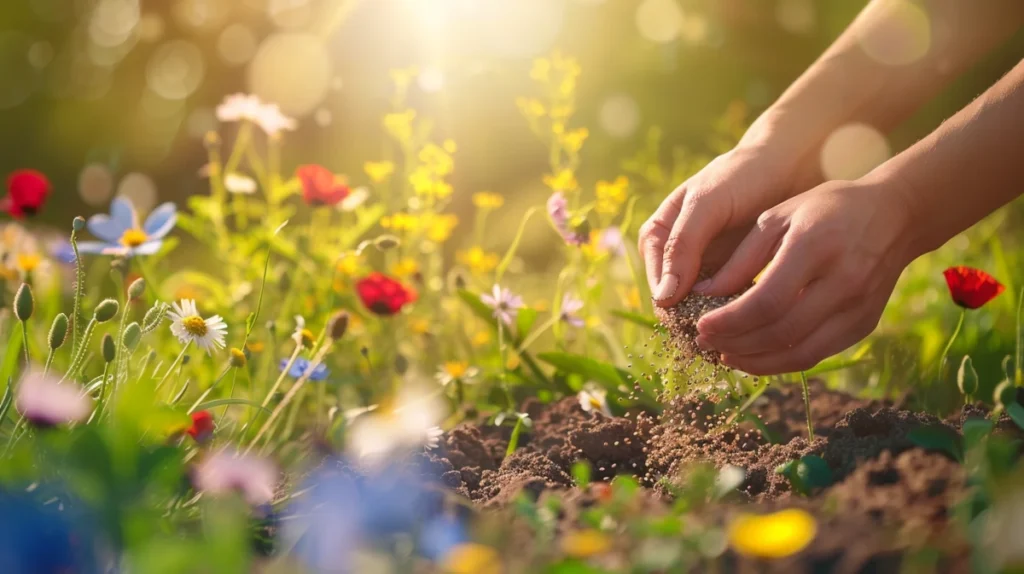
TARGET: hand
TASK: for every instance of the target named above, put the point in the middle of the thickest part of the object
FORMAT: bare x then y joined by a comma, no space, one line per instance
698,225
835,255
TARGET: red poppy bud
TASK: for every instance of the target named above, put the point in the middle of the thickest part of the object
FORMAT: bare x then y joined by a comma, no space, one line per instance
320,186
384,295
202,427
971,288
27,190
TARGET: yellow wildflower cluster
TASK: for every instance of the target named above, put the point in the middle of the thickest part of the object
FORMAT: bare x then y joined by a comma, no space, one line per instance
478,261
405,267
560,72
379,171
439,226
488,200
611,195
436,163
399,125
400,221
564,181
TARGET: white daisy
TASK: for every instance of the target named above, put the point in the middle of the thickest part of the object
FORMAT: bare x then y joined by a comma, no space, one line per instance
45,401
353,200
452,371
433,438
189,327
238,183
239,107
505,303
594,399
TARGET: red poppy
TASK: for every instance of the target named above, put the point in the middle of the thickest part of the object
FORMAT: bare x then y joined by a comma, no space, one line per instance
27,190
202,427
320,186
971,288
384,295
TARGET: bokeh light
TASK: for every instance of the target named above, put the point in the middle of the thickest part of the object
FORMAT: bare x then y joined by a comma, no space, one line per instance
659,21
18,77
290,14
323,117
201,121
237,44
521,28
903,35
151,27
113,22
201,14
620,115
40,54
430,80
139,189
175,70
292,70
95,184
796,16
852,151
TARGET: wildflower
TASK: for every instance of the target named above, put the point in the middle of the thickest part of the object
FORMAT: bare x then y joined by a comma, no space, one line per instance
379,171
594,399
971,288
472,558
225,472
45,402
405,267
121,234
302,366
573,140
302,335
409,422
611,195
433,438
247,107
611,240
481,338
451,371
567,312
27,190
532,108
558,211
238,357
775,535
384,295
355,199
440,226
189,327
563,181
488,200
506,304
400,221
238,183
478,261
320,186
585,543
202,427
399,125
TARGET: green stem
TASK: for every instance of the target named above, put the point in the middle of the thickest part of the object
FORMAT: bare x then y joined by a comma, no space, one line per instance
949,344
24,332
807,406
207,392
76,311
171,368
79,356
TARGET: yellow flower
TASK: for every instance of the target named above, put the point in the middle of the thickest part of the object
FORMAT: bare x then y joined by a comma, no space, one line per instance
775,535
481,339
399,125
437,159
611,195
427,183
378,171
531,107
255,346
561,113
405,267
631,298
586,543
513,362
541,70
488,200
573,140
440,227
420,326
478,261
28,262
564,180
349,264
400,222
455,369
472,558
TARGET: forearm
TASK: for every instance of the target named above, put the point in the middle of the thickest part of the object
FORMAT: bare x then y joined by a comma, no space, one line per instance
964,170
866,77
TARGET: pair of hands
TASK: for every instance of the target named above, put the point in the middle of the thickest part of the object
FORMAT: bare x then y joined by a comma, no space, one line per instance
833,256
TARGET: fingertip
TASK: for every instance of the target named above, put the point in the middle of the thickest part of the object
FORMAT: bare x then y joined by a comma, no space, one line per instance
666,293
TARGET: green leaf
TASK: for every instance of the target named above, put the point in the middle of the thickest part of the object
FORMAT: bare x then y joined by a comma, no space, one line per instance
637,319
5,404
814,472
226,402
513,441
590,369
524,322
975,429
10,363
1016,412
967,377
507,259
581,473
833,364
938,437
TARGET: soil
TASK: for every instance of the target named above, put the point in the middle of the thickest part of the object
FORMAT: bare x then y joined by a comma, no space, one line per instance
887,494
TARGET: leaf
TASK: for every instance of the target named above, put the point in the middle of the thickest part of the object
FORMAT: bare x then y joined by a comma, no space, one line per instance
586,367
637,319
524,322
507,259
10,363
975,429
940,438
513,440
833,364
1016,412
226,402
5,404
814,472
581,473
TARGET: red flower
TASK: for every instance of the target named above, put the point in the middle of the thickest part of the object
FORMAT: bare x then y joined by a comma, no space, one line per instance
202,427
27,190
971,288
320,186
383,295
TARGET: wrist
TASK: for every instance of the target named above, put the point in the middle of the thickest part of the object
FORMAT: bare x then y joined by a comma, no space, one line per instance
894,193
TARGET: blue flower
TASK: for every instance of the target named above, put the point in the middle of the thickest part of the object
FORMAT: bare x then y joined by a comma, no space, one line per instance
300,366
44,538
121,234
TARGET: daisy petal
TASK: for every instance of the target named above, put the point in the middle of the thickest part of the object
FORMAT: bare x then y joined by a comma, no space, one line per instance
161,221
92,247
147,248
107,228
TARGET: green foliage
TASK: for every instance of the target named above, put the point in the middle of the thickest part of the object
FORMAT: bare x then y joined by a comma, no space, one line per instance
939,438
807,474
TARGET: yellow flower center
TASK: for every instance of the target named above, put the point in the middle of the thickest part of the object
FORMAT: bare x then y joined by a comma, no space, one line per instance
456,369
195,325
595,402
307,337
29,263
775,535
134,238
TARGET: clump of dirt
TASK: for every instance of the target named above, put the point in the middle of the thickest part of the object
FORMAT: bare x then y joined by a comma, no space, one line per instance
680,321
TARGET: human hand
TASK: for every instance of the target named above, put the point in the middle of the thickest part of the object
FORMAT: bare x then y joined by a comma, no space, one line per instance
835,255
698,225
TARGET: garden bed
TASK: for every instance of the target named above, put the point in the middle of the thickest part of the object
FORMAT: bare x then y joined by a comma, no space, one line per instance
889,496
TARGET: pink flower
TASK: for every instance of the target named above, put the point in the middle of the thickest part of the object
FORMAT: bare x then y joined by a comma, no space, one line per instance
568,312
506,304
45,401
225,472
558,211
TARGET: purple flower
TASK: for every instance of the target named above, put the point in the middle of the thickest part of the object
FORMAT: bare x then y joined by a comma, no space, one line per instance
300,366
506,304
612,242
567,313
46,402
558,211
225,472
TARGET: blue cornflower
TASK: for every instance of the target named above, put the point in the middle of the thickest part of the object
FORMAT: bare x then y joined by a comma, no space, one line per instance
120,233
300,366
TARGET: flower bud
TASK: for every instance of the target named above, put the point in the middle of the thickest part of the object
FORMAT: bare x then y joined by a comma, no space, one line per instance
23,303
78,223
238,357
151,317
137,288
338,325
186,359
58,331
967,377
385,242
109,349
1005,394
105,311
132,336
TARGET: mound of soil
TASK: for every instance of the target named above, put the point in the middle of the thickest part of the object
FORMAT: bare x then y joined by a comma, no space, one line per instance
887,494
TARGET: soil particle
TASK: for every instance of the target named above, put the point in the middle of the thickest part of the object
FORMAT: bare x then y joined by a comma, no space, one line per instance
681,323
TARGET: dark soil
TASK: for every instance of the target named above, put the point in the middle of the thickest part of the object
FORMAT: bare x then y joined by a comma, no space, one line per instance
887,495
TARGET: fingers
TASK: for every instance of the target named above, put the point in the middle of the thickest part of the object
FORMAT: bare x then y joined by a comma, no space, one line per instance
752,255
697,224
654,234
794,267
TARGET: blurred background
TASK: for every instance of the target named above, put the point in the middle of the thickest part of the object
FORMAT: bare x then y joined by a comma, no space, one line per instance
114,97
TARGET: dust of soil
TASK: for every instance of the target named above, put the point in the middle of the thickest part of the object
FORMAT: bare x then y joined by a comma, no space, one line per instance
680,321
